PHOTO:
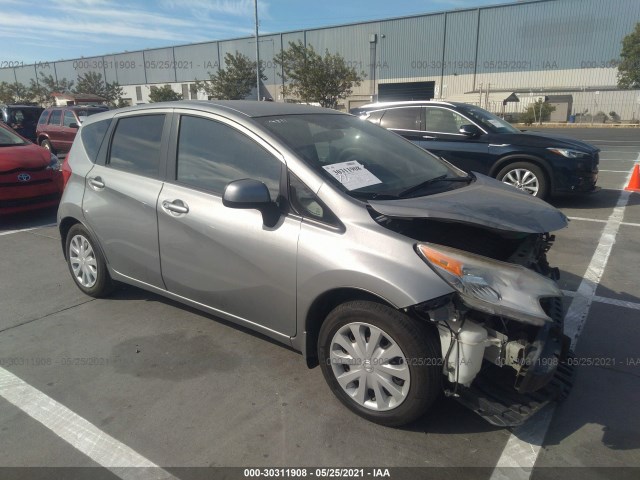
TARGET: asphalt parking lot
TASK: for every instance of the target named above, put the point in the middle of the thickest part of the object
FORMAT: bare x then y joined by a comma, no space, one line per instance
152,383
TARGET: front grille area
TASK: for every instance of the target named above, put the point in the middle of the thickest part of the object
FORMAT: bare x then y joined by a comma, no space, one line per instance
25,184
22,202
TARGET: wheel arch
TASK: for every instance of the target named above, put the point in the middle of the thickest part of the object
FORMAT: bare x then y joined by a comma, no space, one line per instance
321,307
65,225
523,157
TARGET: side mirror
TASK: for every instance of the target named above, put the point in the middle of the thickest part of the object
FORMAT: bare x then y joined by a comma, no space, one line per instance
74,125
251,194
470,130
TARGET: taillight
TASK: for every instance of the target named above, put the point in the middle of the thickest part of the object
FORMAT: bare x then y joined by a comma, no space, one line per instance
66,171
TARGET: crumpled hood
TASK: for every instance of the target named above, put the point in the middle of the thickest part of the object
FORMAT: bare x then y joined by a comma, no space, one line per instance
544,140
486,202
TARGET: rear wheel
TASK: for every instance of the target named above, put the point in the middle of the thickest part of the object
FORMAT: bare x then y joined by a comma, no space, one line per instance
381,364
86,264
526,176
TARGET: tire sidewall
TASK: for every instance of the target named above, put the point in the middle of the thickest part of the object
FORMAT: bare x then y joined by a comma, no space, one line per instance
103,281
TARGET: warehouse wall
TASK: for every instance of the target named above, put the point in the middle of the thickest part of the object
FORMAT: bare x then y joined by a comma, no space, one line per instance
525,46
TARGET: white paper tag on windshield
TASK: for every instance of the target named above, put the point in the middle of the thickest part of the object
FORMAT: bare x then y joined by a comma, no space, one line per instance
352,175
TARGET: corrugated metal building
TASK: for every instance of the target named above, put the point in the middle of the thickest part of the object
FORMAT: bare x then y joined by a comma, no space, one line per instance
565,49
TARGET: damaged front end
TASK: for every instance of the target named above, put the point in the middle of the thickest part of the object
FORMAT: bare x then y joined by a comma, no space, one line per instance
501,332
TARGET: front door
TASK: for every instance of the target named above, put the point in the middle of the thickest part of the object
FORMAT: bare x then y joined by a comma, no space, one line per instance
225,258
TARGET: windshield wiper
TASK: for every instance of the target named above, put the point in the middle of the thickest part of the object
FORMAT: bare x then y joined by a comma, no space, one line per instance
374,196
441,178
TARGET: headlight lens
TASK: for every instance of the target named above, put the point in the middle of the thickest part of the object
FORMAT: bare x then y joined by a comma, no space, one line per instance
491,286
568,153
54,163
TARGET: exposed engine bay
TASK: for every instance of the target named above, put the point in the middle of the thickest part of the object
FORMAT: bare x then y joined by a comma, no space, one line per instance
504,362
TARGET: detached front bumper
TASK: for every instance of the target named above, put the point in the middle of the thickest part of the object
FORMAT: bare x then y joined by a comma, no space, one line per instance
493,397
513,377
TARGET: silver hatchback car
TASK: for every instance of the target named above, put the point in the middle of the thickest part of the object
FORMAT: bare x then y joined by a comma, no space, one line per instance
400,275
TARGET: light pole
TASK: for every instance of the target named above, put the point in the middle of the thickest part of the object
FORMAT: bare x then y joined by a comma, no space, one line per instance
255,3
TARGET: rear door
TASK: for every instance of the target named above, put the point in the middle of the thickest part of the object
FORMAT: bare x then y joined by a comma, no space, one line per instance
122,191
224,258
441,136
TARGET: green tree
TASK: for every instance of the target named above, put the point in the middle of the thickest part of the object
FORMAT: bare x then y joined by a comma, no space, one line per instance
629,66
91,82
312,77
163,94
540,111
233,83
40,91
13,93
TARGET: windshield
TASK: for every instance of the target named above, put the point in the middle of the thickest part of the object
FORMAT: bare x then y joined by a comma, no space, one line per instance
488,120
8,138
361,159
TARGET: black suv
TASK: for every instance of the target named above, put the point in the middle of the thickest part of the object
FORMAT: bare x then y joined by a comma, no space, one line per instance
22,118
475,140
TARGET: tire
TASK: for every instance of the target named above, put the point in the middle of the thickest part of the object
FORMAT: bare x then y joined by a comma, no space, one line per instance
526,176
47,144
399,343
86,263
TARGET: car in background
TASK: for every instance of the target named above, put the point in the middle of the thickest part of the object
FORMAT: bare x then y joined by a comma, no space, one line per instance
30,176
396,272
57,126
21,118
477,141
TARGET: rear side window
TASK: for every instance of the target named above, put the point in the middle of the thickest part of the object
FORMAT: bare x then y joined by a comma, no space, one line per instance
402,119
211,154
136,144
54,119
69,118
92,136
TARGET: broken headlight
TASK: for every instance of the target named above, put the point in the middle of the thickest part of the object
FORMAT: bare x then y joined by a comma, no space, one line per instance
491,286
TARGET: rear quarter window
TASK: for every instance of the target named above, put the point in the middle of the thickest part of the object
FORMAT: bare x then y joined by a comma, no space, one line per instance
92,136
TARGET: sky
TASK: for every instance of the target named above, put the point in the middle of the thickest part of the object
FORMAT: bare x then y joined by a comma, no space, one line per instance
69,29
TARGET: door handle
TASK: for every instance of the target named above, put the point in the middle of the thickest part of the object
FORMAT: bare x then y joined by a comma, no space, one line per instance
428,137
176,206
96,183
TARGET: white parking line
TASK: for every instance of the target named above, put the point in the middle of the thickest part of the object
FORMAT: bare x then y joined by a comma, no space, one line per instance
523,447
610,301
11,232
599,220
78,432
614,171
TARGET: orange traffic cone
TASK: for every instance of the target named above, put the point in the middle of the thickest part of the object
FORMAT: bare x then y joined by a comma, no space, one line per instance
634,183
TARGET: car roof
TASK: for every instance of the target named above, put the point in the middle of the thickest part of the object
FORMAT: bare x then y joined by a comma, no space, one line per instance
17,105
381,105
249,108
78,107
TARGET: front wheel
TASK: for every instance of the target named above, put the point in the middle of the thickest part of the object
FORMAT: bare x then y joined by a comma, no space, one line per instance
527,177
381,364
86,264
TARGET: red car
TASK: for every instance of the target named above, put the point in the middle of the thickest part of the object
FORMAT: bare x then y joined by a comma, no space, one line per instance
30,176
